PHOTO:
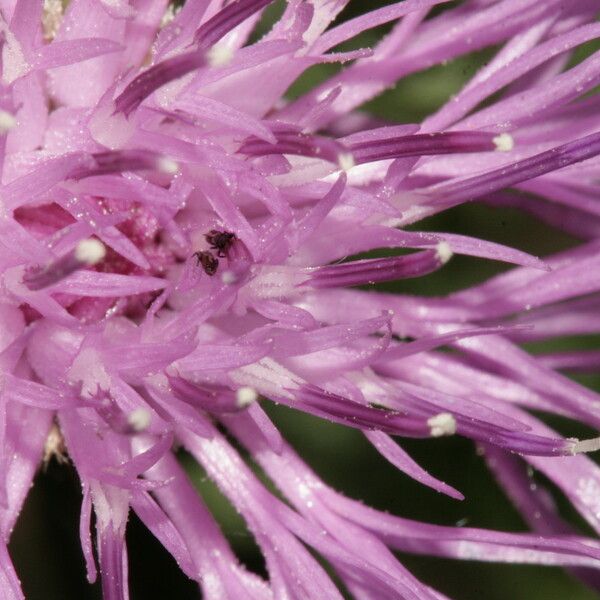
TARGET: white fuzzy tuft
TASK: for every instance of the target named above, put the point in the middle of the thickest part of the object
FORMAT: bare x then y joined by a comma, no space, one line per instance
245,396
345,161
504,142
90,251
139,419
219,56
444,252
442,424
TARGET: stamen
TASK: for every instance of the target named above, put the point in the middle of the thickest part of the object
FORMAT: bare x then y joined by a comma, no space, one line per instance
292,141
157,76
442,424
206,37
245,396
214,400
87,253
450,192
377,270
341,410
451,142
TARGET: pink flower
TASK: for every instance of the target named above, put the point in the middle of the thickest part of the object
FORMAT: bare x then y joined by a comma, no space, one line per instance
174,244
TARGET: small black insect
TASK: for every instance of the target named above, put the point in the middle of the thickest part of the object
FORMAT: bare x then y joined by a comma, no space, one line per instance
220,241
208,261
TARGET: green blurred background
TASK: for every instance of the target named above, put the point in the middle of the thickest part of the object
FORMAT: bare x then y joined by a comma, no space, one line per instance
45,544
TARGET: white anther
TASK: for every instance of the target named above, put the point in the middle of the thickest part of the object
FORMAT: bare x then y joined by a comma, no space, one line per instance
139,419
345,161
443,251
219,56
90,251
442,424
7,121
245,396
504,142
168,165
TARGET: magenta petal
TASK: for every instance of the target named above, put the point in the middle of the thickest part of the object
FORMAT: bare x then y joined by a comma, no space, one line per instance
182,238
59,54
375,270
225,20
539,164
197,536
24,444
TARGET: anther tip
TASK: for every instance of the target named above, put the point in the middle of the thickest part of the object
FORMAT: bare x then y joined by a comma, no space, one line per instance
442,424
168,165
7,121
245,396
139,419
345,161
443,252
90,251
504,142
219,56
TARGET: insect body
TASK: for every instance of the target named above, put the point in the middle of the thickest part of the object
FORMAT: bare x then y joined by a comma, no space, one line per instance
208,261
220,241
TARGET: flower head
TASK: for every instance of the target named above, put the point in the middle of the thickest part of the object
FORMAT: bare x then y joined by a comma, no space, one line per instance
180,239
